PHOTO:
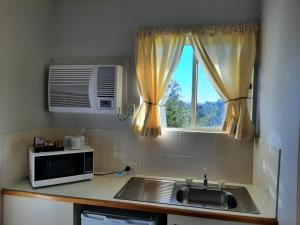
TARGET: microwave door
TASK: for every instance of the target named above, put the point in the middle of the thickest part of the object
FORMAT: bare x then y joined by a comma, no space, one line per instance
57,166
89,162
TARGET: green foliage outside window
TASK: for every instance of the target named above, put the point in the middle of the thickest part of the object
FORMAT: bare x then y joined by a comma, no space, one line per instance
178,112
178,115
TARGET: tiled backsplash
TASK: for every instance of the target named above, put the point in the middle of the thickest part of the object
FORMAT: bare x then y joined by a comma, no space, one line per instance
14,160
266,159
174,154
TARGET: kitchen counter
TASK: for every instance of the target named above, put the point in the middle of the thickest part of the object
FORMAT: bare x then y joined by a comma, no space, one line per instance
101,191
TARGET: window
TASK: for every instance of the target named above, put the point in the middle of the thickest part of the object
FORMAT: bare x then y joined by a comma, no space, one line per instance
191,100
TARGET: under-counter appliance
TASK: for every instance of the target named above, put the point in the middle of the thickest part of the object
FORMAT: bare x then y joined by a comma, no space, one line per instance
57,167
93,218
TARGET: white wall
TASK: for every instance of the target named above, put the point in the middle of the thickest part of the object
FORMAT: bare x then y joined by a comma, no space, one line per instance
279,95
84,29
24,55
92,29
298,203
107,28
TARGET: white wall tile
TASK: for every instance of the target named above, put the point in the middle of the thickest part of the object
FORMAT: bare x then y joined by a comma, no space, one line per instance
265,172
224,169
120,141
134,143
175,154
206,144
59,133
225,146
179,154
104,159
188,167
150,165
208,166
170,143
92,138
187,144
243,171
15,154
1,162
153,146
243,150
168,166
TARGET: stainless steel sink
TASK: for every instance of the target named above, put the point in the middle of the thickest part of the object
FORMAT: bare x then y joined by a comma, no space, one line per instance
147,190
206,198
230,198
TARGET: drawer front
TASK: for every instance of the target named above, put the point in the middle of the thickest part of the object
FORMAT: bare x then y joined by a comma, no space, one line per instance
185,220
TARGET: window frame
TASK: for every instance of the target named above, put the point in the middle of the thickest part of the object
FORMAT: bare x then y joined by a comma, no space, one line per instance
193,128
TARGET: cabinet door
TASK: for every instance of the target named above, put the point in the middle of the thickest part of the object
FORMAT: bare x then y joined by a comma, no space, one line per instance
29,211
185,220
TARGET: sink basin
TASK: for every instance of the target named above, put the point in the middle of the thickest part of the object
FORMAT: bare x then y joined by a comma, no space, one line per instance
230,198
206,198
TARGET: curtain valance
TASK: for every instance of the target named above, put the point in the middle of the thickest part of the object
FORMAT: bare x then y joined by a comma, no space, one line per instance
248,28
243,29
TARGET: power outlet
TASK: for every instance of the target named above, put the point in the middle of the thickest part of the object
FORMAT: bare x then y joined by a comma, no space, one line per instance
133,168
130,109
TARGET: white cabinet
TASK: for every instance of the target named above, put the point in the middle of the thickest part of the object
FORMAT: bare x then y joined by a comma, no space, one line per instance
184,220
30,211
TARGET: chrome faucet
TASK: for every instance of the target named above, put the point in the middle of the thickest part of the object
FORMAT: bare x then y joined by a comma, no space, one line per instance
205,181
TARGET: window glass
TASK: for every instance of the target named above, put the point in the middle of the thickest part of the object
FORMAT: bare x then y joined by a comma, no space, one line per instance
191,101
210,106
178,99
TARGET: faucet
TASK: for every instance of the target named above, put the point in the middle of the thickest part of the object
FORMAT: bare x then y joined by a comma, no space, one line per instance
188,181
205,181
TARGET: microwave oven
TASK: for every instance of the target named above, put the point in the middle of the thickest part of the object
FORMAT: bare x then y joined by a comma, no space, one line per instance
58,167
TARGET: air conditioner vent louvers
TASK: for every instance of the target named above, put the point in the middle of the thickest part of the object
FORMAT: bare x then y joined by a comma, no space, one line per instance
106,82
70,87
86,89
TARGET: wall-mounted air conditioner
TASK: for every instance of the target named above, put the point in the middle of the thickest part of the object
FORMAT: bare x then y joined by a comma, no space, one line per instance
85,88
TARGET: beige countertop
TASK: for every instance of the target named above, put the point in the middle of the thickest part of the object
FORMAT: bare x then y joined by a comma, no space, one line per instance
102,189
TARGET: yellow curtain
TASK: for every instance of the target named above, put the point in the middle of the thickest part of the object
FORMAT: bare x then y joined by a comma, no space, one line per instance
228,54
156,57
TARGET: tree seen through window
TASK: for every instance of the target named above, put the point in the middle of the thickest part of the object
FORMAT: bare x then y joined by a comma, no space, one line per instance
184,109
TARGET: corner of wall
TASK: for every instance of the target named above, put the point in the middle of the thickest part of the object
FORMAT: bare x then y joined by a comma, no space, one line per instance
298,197
1,169
1,208
266,163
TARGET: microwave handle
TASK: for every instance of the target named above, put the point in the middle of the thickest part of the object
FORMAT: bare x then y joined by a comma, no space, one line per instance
88,162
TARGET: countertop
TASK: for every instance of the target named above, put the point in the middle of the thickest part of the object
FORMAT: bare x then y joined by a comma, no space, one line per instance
102,189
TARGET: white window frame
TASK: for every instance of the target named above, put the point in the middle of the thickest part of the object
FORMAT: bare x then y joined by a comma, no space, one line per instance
193,127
